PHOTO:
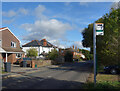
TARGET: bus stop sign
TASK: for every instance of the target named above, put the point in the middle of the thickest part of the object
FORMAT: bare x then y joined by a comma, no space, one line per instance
99,27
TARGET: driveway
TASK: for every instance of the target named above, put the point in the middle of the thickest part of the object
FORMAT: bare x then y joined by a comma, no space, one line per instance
67,76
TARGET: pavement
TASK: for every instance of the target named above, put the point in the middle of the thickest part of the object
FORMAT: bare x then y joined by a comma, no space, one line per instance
16,70
66,76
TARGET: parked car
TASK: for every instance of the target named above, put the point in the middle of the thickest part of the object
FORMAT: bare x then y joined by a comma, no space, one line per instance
113,69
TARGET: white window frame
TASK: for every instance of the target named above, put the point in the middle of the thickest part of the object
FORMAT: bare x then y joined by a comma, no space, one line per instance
13,44
18,55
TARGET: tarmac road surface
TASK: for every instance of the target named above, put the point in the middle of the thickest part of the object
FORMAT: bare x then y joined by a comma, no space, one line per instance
67,76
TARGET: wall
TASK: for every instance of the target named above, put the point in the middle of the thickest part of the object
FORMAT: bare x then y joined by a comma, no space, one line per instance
46,49
12,58
42,63
39,49
7,37
0,55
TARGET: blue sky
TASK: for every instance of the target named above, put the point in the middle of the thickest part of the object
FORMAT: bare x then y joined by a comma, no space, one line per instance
60,23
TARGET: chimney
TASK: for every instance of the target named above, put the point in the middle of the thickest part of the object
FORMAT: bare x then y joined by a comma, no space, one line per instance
44,42
78,49
60,50
73,47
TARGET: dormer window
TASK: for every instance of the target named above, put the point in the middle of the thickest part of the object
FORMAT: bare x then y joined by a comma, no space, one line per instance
13,44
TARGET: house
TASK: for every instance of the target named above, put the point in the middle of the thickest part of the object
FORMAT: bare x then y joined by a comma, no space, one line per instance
42,46
10,49
75,52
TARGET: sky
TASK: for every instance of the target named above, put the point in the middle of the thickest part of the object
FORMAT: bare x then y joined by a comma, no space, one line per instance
61,23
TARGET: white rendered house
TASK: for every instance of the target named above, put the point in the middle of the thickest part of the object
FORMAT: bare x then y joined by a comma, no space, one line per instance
42,46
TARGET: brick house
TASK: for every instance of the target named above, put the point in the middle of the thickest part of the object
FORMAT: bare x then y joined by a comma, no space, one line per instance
42,46
74,51
10,49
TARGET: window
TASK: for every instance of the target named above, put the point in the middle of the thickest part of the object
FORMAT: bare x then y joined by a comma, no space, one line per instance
0,43
18,55
13,44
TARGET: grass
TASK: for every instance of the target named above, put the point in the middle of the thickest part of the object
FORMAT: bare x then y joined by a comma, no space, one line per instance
3,72
107,77
104,81
103,85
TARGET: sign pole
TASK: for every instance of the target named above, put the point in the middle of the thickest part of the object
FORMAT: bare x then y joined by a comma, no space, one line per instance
94,46
98,29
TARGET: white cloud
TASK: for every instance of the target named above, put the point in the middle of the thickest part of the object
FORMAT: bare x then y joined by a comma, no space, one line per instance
67,3
23,11
39,12
10,13
8,21
57,43
84,3
78,44
116,5
44,27
52,28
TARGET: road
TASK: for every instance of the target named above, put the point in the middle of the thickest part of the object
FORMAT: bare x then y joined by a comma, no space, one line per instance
67,76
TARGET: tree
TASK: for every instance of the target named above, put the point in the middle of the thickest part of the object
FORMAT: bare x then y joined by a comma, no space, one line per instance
32,52
87,54
68,56
53,54
108,45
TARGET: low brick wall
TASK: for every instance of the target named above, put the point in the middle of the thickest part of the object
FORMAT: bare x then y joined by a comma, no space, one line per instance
42,63
1,56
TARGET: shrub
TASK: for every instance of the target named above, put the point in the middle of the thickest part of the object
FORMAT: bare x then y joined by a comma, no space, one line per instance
32,52
53,54
68,56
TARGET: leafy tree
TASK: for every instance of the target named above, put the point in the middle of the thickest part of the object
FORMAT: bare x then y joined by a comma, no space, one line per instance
53,54
87,54
108,45
32,52
68,56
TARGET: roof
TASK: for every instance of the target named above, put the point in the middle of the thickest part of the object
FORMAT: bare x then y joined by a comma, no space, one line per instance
8,49
6,28
37,43
3,28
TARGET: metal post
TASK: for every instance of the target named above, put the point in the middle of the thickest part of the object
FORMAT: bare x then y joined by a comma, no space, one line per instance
94,46
6,57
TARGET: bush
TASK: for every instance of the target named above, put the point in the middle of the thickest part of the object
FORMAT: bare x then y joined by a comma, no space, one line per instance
87,54
53,54
32,52
68,56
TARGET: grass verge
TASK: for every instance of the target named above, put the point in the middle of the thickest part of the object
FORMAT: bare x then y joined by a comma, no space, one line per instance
104,81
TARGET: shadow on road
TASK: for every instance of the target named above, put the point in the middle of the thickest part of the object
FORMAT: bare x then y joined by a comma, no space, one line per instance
40,83
77,66
32,82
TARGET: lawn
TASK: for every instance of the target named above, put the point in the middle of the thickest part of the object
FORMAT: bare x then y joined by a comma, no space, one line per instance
104,81
3,72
